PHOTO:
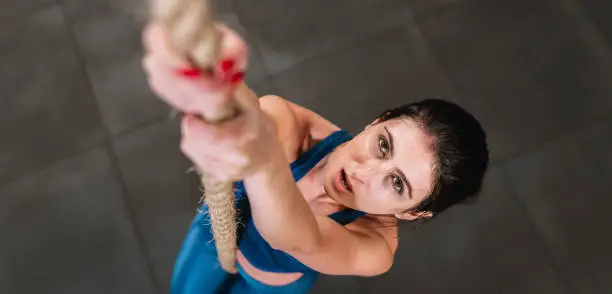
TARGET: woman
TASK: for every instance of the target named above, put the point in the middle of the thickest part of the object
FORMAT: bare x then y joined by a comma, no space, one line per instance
313,198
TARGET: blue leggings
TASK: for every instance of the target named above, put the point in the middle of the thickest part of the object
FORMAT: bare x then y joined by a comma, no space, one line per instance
197,271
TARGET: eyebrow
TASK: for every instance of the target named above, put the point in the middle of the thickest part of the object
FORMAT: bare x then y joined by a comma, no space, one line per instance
399,171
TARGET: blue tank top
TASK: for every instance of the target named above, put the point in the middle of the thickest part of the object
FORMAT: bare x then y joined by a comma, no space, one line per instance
251,243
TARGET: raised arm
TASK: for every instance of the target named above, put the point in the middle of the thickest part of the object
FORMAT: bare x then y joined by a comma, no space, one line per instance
284,218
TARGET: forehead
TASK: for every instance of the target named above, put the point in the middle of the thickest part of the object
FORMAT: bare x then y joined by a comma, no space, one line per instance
411,152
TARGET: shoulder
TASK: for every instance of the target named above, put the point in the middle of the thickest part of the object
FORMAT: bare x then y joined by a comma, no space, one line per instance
296,126
384,227
280,111
291,125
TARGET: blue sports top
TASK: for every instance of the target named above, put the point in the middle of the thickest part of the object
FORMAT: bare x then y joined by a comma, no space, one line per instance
251,243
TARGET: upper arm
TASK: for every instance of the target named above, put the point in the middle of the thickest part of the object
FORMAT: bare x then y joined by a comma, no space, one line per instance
362,248
288,123
355,249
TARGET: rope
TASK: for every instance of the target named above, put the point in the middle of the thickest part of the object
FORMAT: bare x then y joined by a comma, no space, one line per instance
194,36
219,196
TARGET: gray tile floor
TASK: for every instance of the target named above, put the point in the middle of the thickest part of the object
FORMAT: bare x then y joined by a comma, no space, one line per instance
94,197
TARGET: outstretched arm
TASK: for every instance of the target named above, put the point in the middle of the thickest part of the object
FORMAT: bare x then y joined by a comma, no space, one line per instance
285,219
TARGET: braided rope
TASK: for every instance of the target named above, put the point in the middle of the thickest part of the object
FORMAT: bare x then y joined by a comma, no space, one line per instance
219,196
193,35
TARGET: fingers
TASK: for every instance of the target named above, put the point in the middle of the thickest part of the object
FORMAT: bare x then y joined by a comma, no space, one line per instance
233,47
191,96
213,166
216,157
156,43
190,90
210,136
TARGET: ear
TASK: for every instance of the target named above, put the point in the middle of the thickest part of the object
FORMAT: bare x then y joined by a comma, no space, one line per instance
410,215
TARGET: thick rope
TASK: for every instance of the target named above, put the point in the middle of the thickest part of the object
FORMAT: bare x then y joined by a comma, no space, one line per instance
219,196
193,35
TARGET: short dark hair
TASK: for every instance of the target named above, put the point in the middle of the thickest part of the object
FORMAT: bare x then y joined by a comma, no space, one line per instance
460,149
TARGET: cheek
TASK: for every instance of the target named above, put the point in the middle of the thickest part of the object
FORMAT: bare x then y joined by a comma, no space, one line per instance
376,202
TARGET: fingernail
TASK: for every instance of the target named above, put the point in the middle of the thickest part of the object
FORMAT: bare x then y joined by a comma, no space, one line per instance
237,77
226,65
190,72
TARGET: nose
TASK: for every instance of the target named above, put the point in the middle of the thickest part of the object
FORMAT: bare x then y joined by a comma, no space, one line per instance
362,171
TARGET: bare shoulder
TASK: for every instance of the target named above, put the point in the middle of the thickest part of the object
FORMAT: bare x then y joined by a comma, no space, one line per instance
291,127
318,126
297,126
385,227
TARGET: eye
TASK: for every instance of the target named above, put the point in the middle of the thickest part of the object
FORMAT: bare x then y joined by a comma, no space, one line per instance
383,146
397,183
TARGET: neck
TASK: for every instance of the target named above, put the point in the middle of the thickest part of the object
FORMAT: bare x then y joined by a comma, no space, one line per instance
316,176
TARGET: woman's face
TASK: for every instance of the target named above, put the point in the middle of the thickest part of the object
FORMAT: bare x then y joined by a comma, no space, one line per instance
386,169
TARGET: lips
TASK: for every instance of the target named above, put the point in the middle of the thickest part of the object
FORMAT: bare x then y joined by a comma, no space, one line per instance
343,184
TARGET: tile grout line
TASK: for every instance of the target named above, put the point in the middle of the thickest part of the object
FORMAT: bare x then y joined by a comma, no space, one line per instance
454,87
258,56
492,164
110,151
438,9
143,125
432,53
160,118
550,259
8,20
341,45
553,138
74,153
586,23
109,143
556,267
361,282
583,23
409,20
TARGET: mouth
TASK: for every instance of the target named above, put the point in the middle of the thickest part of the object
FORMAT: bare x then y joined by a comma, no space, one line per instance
343,183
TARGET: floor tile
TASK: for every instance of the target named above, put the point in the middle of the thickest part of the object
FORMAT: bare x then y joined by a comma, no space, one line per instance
353,84
420,8
595,145
289,32
599,13
48,110
108,34
65,229
223,6
565,188
110,41
480,41
337,284
16,9
549,69
163,194
489,246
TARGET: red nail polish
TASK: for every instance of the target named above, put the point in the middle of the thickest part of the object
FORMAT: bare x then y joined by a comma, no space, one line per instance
237,77
190,72
227,64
